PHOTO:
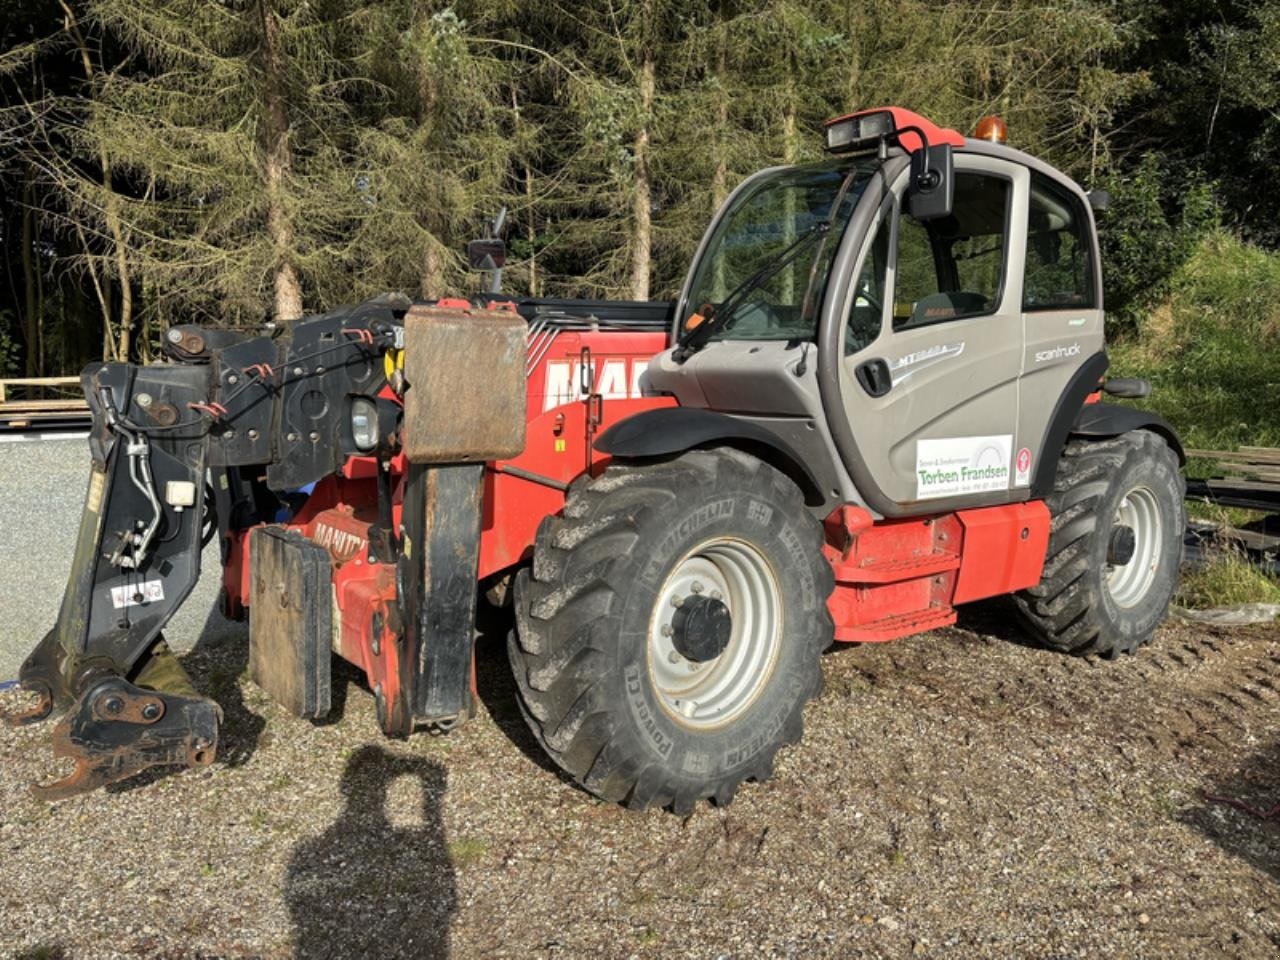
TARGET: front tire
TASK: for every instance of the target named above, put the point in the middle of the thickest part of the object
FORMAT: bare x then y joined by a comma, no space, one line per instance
1115,546
669,632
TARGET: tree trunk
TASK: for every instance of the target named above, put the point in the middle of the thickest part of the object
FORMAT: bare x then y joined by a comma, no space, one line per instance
642,197
432,284
30,324
277,165
530,219
789,153
530,225
720,176
110,204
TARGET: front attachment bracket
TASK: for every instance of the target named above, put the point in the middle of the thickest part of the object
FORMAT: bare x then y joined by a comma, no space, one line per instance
116,730
41,674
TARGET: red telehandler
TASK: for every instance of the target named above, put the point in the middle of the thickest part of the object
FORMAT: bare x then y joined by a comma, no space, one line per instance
877,397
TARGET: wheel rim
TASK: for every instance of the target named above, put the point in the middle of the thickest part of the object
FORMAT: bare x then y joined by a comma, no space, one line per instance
712,692
1129,582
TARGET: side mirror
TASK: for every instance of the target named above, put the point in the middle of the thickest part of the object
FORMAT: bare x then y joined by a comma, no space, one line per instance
932,183
488,254
1099,200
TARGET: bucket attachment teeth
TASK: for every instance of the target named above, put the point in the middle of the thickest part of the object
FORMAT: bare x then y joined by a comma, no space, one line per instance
116,730
41,675
43,706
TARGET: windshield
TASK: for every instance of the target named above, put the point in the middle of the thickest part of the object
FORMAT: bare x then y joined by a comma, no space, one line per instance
765,220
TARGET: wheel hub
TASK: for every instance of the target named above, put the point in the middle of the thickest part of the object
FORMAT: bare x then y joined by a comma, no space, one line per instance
715,632
701,628
1121,548
1134,546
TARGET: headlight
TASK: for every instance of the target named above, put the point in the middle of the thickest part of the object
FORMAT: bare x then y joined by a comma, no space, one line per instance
364,424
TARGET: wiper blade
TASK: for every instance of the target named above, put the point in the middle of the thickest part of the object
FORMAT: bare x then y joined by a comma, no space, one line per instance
693,340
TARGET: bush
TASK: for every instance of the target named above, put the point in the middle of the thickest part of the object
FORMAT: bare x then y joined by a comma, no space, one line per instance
1155,222
9,354
1211,348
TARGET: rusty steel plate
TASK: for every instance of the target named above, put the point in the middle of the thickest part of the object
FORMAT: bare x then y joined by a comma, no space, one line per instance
465,400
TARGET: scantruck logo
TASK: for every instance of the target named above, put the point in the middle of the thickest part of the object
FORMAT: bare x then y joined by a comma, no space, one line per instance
952,466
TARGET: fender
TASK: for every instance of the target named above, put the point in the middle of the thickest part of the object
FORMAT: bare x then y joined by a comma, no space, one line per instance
1108,420
673,430
1066,411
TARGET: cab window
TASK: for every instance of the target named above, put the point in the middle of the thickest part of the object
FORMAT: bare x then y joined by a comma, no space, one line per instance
1059,271
954,267
867,311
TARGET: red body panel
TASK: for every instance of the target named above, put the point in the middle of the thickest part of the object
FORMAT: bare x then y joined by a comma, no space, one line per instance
900,577
893,578
558,433
1004,550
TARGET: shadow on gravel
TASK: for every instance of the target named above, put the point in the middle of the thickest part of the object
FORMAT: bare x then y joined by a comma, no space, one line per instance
496,687
1233,812
997,617
371,887
215,664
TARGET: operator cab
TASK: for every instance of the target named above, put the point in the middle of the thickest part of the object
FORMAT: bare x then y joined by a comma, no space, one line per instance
905,314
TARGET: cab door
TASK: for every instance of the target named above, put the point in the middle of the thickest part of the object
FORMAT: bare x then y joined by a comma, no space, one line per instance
933,347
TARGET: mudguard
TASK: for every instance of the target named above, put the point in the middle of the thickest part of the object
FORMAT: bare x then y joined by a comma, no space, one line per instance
672,430
1109,420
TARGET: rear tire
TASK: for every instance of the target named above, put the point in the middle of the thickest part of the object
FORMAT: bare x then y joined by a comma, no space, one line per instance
670,630
1090,599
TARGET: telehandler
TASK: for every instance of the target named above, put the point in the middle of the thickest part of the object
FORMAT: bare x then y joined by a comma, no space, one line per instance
877,397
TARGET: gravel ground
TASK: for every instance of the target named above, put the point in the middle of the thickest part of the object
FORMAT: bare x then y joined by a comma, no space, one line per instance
42,488
957,794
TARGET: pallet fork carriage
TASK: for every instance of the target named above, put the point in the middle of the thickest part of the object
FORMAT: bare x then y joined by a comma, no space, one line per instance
878,396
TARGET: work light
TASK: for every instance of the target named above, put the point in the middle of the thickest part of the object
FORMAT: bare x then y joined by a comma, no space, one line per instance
364,424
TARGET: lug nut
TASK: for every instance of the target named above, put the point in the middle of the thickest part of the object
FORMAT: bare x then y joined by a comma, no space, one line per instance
697,586
667,630
716,595
673,657
676,601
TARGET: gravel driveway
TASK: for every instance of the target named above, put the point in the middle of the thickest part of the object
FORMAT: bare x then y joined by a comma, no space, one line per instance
957,794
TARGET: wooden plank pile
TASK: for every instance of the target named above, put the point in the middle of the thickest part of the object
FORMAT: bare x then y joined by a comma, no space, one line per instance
66,407
1248,477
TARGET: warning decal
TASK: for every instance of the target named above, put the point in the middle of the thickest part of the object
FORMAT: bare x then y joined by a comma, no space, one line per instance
1022,468
134,594
959,465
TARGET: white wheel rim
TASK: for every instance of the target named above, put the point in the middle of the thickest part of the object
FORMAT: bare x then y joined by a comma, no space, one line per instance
1129,582
712,693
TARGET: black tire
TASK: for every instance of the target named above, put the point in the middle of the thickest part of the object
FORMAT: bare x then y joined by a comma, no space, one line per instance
587,611
1075,609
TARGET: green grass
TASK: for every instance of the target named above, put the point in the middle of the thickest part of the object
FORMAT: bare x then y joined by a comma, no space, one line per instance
466,851
1212,350
1216,513
1212,353
1226,580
